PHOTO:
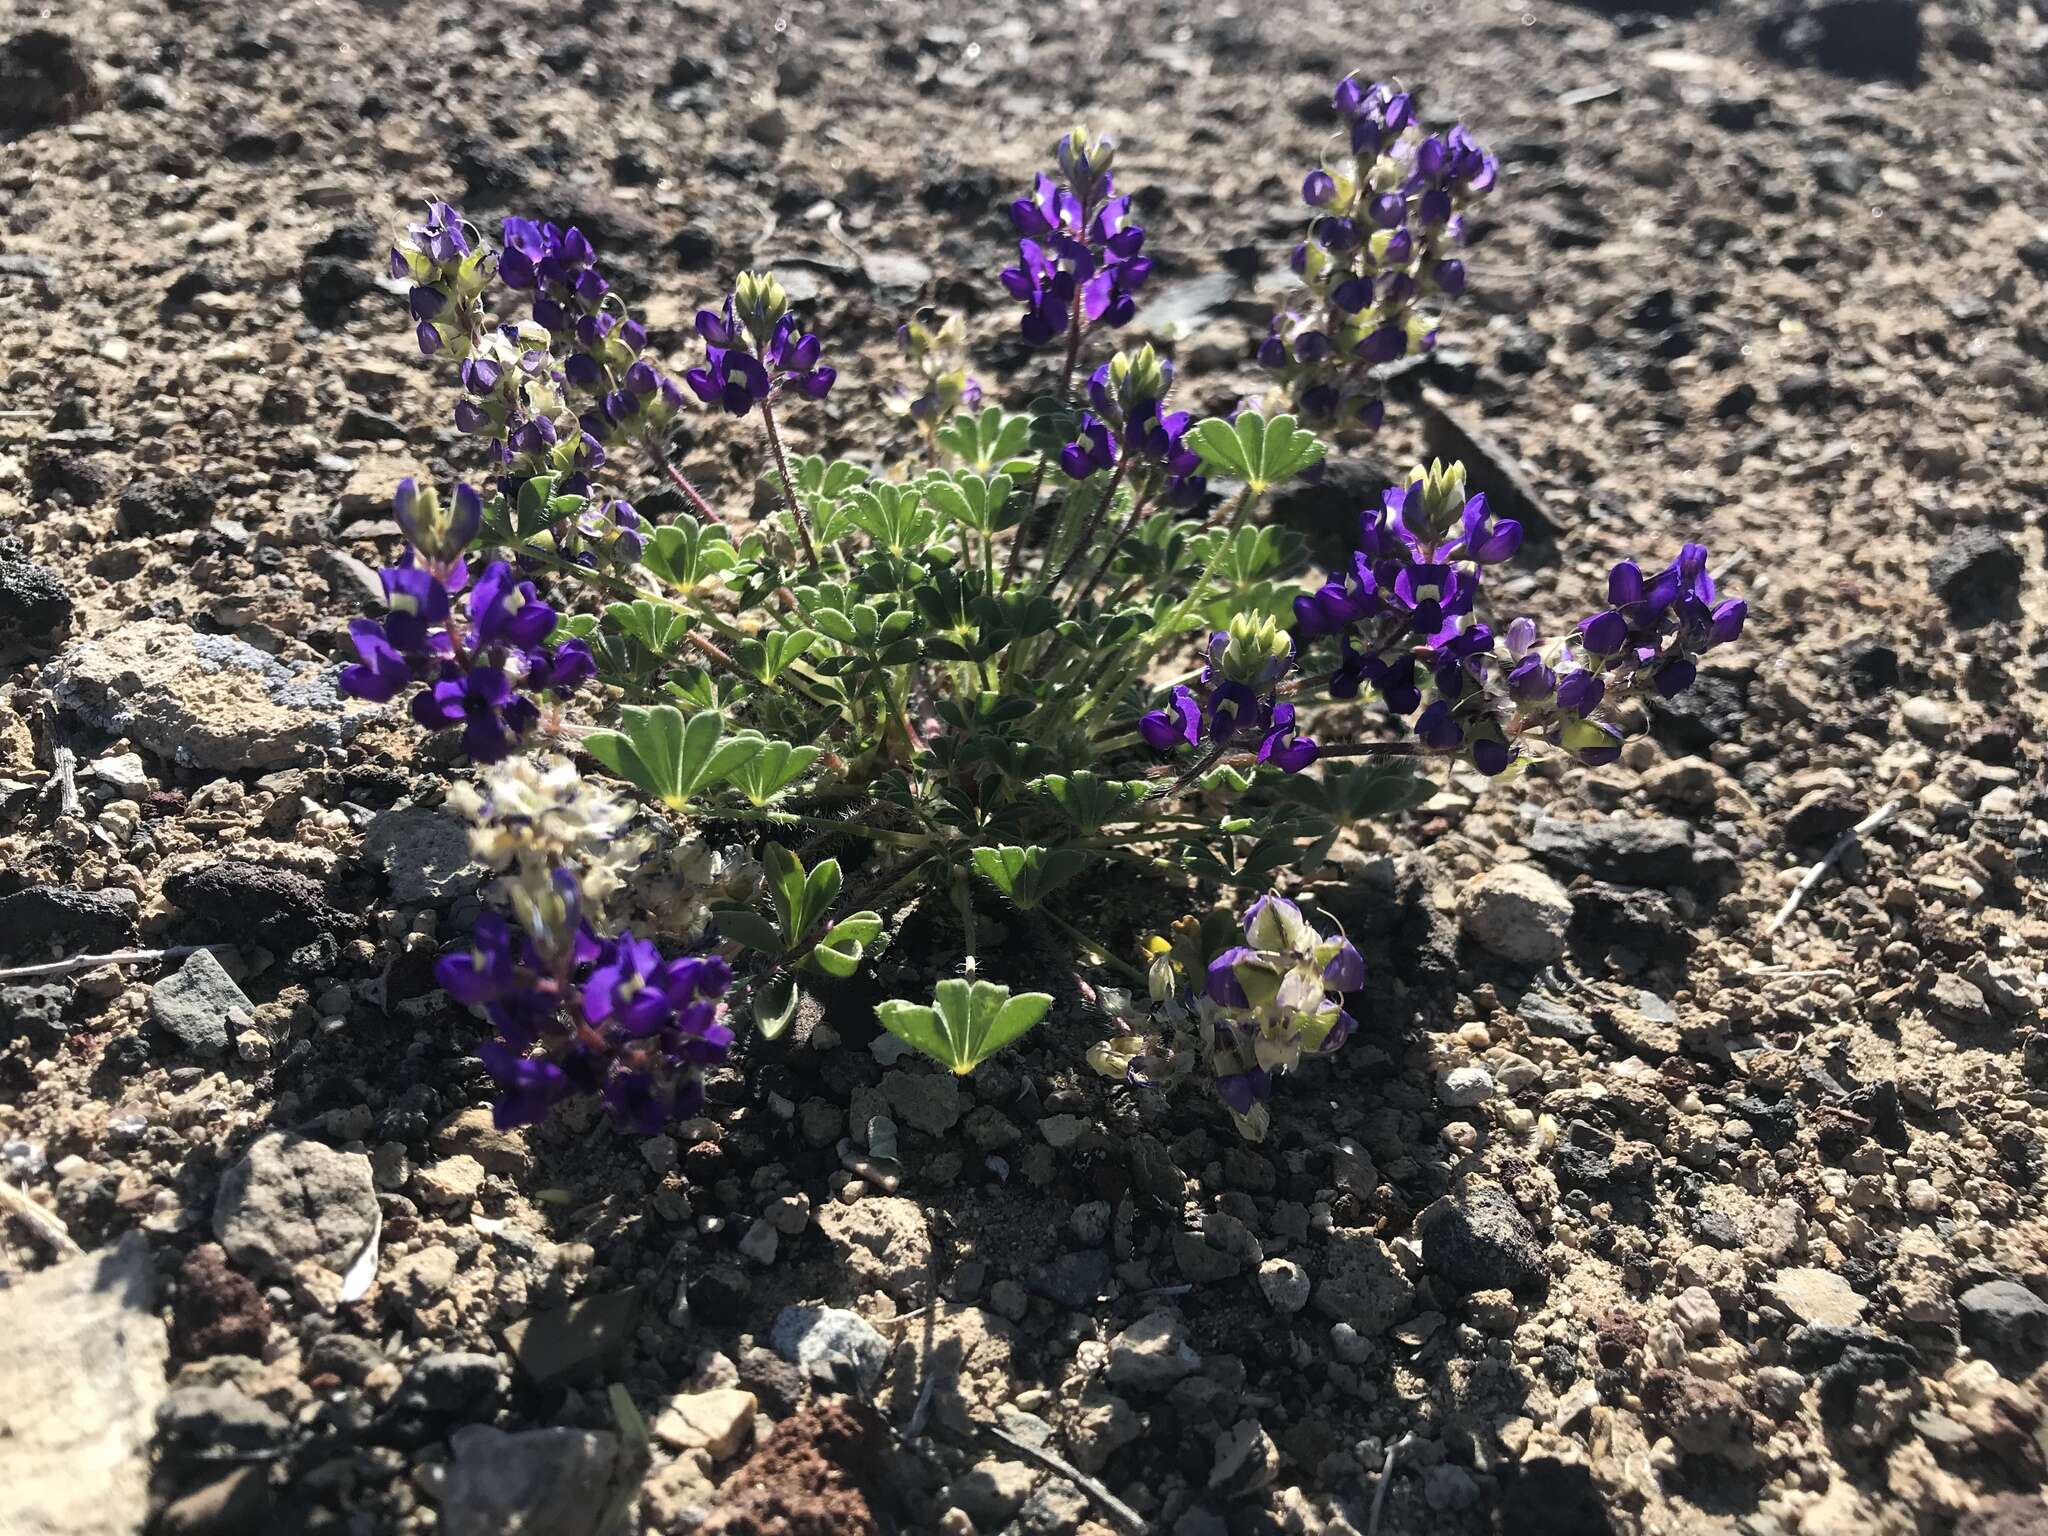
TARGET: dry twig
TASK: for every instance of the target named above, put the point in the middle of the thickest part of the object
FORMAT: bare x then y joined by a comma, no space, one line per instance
93,962
1812,877
1052,1461
39,1221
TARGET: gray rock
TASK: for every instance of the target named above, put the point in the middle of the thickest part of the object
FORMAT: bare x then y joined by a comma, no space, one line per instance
200,1006
291,1200
924,1101
211,1421
1362,1287
423,853
831,1345
2005,1313
1464,1087
1285,1285
83,1354
896,272
544,1482
1517,912
1076,1280
1481,1242
1660,851
437,1391
206,701
1152,1354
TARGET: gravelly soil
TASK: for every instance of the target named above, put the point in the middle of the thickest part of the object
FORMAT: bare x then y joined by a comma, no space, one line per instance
1744,1233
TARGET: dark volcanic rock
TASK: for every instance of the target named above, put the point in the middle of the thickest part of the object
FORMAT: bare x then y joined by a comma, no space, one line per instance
438,1391
45,80
809,1478
220,1311
1977,573
1480,1242
66,474
1658,851
35,610
151,508
1863,39
2004,1313
235,899
77,921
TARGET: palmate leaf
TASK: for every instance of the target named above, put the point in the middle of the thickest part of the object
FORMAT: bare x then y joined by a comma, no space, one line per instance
658,626
990,441
967,1022
672,755
1353,792
1088,799
1259,452
768,655
773,769
894,516
686,553
972,501
1028,875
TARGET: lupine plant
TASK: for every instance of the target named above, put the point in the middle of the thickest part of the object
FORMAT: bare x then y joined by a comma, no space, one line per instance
1028,642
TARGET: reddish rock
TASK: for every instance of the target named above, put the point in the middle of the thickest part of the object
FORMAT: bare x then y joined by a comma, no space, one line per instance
809,1478
220,1311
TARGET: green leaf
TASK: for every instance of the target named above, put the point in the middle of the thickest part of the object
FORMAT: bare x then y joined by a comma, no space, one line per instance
1028,875
1088,799
972,501
670,755
743,925
685,553
993,440
1259,452
773,769
775,1006
967,1022
839,951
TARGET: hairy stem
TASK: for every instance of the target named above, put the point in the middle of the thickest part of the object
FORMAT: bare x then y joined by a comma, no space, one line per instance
796,509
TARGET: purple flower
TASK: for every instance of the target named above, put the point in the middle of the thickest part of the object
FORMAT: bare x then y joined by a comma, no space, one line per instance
529,1087
1095,449
382,673
484,703
488,970
508,611
1178,724
627,990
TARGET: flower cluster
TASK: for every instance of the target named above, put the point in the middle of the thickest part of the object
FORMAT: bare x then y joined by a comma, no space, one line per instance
1080,258
484,676
1403,617
1128,426
1388,217
1246,664
1250,1003
448,265
937,353
602,345
755,348
574,1012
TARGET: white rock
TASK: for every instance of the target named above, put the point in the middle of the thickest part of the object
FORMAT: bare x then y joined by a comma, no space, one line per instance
718,1421
1815,1296
760,1243
1463,1087
1517,912
82,1353
1152,1354
1285,1285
